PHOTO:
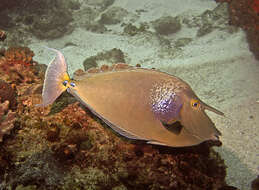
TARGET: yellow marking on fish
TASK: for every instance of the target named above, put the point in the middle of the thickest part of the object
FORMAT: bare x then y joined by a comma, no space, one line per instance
195,104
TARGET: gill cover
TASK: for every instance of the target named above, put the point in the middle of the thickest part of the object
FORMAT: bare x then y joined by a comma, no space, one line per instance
55,75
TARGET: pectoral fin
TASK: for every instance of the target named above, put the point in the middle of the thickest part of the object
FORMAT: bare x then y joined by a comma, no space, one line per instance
174,127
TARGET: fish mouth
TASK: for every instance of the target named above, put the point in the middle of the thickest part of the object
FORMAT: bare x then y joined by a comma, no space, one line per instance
214,137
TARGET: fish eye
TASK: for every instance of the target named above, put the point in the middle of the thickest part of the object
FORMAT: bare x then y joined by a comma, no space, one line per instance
72,84
65,83
195,103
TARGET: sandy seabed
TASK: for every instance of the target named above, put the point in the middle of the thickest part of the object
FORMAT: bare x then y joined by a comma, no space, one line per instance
219,67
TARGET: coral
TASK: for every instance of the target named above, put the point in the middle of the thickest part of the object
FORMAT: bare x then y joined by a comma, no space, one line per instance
7,92
7,119
92,178
5,160
19,55
39,168
16,65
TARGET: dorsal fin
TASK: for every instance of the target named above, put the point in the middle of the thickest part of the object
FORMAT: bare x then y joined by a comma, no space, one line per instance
79,74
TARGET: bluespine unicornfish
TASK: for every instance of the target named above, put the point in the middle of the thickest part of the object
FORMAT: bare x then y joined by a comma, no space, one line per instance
140,104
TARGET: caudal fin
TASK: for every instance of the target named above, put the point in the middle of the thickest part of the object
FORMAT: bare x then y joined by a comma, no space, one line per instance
55,76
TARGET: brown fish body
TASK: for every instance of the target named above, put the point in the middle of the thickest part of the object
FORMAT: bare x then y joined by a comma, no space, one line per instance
141,104
123,99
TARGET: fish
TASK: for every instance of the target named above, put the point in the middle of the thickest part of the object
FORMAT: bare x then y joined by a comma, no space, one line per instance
138,103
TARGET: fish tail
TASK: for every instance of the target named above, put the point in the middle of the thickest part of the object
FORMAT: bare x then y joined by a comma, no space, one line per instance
55,77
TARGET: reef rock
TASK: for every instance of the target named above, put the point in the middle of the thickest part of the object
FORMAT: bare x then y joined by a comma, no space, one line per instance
7,92
52,26
111,56
7,118
19,55
51,172
167,25
113,15
46,19
16,65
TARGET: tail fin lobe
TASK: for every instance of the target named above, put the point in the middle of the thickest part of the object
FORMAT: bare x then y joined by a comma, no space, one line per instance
55,76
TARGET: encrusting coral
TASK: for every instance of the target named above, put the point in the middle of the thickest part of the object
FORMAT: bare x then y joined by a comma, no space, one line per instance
19,55
7,92
16,66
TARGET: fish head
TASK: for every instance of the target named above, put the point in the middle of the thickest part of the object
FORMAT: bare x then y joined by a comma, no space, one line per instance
194,118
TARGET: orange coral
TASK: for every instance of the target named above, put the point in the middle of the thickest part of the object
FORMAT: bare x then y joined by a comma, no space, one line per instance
16,65
19,55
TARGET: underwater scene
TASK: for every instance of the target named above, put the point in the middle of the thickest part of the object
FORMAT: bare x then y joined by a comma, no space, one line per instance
129,95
